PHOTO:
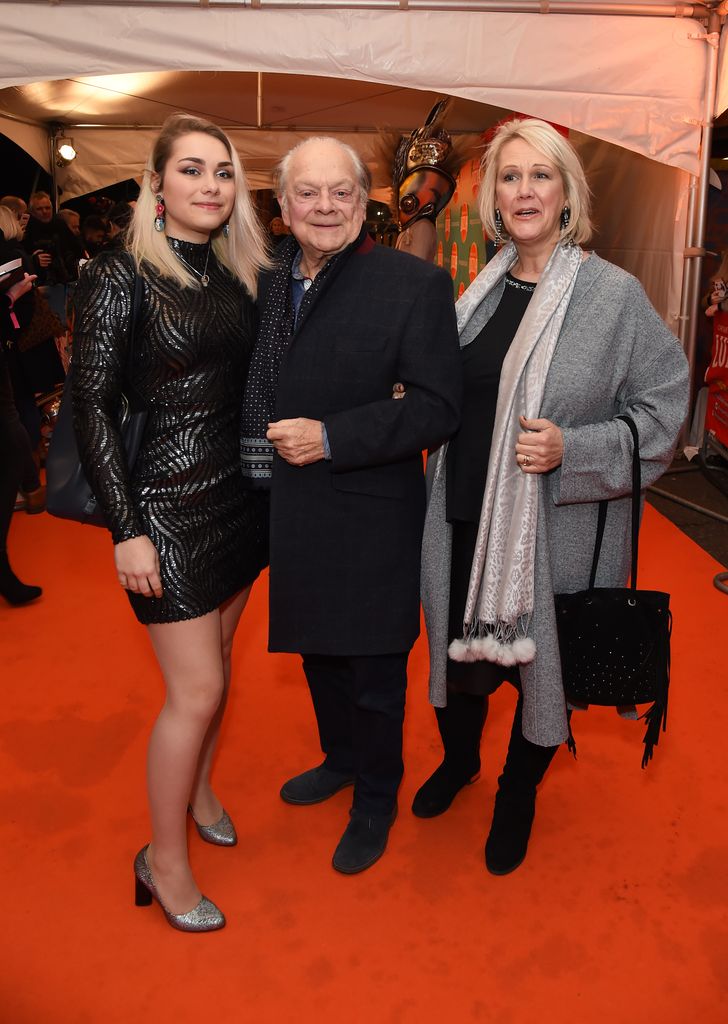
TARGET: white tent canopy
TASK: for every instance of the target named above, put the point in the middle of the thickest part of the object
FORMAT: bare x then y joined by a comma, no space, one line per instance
637,81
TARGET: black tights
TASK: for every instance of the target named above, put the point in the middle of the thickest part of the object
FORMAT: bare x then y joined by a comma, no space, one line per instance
461,727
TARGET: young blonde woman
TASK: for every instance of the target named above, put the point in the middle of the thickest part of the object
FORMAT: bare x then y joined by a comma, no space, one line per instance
188,539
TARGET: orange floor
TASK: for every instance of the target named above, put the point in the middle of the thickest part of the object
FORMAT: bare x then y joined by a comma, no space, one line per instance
619,913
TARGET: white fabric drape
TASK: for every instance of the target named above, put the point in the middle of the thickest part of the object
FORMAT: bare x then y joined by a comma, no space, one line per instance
635,81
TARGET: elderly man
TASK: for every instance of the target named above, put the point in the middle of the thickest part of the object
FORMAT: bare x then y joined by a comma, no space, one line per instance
342,322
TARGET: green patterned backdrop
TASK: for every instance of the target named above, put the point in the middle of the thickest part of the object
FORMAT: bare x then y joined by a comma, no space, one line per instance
460,241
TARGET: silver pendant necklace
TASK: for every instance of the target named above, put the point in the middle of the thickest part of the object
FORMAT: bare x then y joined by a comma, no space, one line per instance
204,277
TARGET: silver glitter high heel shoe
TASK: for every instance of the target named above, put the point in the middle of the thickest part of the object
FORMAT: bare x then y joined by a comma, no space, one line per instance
205,917
220,833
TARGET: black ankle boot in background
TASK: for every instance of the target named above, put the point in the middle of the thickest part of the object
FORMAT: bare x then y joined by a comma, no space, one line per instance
461,727
15,592
515,801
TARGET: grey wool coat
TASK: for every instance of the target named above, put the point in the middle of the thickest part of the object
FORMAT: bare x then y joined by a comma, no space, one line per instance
614,355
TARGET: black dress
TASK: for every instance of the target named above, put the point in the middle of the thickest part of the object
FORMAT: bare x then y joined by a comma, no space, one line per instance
467,467
186,493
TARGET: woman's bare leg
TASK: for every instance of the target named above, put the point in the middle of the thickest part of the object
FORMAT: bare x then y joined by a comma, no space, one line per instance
205,804
189,655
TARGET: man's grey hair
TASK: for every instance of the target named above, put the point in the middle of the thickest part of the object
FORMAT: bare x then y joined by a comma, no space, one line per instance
361,171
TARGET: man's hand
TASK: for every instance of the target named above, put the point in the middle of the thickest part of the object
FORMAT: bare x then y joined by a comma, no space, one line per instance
43,258
298,441
542,448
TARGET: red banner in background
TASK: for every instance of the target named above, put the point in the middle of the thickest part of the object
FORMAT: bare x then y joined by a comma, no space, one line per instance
716,377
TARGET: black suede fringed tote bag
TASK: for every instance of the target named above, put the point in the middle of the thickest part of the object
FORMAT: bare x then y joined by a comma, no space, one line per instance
615,642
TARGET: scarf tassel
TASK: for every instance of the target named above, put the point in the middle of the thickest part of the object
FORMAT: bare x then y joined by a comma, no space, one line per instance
520,651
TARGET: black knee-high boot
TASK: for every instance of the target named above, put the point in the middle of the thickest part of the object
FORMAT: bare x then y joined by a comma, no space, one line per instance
515,801
461,727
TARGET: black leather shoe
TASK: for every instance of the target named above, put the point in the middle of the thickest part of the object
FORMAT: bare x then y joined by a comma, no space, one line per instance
315,785
435,796
363,842
507,843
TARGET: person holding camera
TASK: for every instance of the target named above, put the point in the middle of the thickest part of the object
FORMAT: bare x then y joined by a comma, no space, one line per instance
716,300
55,251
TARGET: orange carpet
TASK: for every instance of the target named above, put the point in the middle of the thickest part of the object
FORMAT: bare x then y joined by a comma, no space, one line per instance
619,913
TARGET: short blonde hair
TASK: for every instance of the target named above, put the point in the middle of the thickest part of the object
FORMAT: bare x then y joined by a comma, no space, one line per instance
244,252
543,137
10,225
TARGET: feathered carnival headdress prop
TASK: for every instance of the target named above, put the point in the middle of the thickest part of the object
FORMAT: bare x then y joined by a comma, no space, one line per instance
423,166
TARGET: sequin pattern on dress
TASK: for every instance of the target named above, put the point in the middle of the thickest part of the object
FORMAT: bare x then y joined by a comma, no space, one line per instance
191,356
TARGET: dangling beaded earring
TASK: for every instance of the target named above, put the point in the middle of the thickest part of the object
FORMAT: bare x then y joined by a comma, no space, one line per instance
159,213
226,229
498,226
565,218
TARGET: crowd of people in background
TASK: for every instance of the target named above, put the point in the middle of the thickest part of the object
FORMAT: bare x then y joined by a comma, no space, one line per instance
52,248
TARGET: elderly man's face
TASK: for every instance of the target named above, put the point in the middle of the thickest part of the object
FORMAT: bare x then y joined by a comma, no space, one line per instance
43,210
322,202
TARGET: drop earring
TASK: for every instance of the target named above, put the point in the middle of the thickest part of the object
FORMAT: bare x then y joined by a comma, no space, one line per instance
565,218
226,229
159,213
498,226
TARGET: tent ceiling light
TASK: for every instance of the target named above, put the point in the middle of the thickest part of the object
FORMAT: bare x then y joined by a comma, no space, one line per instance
65,151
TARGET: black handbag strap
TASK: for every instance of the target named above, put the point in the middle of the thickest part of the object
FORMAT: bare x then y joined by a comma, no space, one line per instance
602,517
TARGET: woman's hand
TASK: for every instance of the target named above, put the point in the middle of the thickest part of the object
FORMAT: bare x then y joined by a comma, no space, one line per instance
541,448
137,566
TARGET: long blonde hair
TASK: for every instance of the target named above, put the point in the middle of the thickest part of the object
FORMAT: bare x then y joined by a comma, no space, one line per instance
543,137
244,252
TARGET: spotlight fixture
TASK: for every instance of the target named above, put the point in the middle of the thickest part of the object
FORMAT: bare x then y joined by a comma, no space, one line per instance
65,151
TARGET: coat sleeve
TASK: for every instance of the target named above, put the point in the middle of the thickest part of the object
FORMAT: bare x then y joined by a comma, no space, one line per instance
103,310
597,459
429,366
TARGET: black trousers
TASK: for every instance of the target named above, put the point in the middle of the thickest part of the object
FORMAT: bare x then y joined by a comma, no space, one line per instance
461,727
17,468
359,705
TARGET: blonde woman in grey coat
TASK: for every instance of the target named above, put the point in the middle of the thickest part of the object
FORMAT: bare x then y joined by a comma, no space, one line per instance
556,343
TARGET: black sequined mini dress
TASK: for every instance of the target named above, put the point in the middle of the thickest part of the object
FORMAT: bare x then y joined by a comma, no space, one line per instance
191,353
